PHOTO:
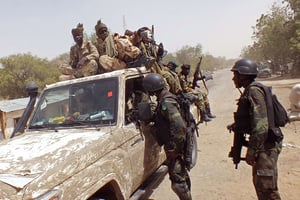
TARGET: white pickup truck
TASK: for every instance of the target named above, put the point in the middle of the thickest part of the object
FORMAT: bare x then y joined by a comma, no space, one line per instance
80,144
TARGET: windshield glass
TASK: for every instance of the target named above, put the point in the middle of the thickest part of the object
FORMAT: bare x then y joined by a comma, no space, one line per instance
93,102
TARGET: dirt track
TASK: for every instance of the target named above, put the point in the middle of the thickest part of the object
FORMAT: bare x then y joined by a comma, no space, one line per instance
214,177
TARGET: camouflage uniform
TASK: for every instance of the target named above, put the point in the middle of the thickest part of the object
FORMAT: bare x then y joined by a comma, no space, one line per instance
89,51
83,57
108,59
252,108
187,88
171,132
172,80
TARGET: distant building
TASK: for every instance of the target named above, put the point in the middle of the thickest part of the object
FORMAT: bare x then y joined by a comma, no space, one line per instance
10,113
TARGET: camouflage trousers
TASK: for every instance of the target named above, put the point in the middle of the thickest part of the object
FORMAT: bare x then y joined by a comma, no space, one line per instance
265,174
201,100
88,69
178,174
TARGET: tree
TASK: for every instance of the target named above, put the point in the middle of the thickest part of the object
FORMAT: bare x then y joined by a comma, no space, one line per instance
294,26
22,68
277,36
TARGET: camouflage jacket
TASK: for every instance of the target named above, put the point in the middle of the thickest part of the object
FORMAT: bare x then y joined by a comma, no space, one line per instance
252,101
87,49
185,83
172,80
171,128
107,46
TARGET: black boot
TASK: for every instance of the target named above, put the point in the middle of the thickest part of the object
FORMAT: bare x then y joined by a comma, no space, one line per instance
208,111
204,117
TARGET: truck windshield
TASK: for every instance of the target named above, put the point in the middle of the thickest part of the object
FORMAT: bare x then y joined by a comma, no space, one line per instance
86,103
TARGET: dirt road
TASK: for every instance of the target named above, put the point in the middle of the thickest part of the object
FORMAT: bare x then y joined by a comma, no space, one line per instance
214,177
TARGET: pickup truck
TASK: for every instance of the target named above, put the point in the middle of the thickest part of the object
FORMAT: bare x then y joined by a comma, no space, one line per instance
79,142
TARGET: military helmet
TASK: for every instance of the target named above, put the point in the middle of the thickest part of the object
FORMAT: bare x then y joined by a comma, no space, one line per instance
245,67
153,82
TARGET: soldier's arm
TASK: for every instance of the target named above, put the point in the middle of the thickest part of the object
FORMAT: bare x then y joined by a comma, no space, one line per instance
94,55
177,126
259,119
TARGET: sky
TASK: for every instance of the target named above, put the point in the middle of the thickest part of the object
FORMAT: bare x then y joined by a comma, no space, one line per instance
43,27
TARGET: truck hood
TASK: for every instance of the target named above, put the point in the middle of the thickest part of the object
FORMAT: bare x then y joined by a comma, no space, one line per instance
38,161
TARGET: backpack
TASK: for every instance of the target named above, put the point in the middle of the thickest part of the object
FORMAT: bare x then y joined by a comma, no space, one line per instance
277,115
276,111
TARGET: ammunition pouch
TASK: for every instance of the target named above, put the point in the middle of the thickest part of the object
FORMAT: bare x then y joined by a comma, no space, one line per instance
274,135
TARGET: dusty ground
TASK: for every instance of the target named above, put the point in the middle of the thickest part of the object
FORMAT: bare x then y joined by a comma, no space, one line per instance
214,177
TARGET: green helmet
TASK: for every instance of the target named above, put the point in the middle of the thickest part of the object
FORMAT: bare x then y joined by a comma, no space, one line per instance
153,82
245,67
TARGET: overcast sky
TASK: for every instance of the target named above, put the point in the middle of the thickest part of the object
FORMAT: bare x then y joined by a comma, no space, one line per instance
43,27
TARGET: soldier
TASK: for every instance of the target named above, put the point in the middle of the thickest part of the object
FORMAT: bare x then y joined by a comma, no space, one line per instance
83,57
107,49
171,132
153,52
262,154
202,101
171,78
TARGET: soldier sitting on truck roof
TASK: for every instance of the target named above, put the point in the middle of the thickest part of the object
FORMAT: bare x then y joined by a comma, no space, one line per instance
83,57
116,51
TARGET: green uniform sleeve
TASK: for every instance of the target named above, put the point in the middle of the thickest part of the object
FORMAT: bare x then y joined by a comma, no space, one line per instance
259,119
170,111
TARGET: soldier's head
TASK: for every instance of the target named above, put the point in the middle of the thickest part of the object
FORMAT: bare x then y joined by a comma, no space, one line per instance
153,83
78,34
145,34
101,30
185,69
244,72
172,65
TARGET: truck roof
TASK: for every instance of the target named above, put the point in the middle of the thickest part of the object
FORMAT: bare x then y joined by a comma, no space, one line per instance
116,73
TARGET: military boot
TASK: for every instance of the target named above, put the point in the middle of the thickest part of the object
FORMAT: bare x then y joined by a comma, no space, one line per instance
204,117
208,111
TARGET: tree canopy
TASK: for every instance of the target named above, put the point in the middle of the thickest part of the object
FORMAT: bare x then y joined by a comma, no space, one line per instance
17,70
276,36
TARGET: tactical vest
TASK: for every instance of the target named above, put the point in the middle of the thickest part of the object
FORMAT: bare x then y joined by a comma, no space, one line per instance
242,118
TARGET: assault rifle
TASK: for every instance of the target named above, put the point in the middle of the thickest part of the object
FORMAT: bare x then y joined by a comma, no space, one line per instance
198,76
239,140
184,101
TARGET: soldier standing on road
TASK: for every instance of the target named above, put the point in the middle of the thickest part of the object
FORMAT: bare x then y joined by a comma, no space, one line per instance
83,57
262,154
171,132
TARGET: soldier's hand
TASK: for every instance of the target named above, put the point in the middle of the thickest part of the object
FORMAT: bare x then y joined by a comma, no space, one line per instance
230,127
250,157
82,61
